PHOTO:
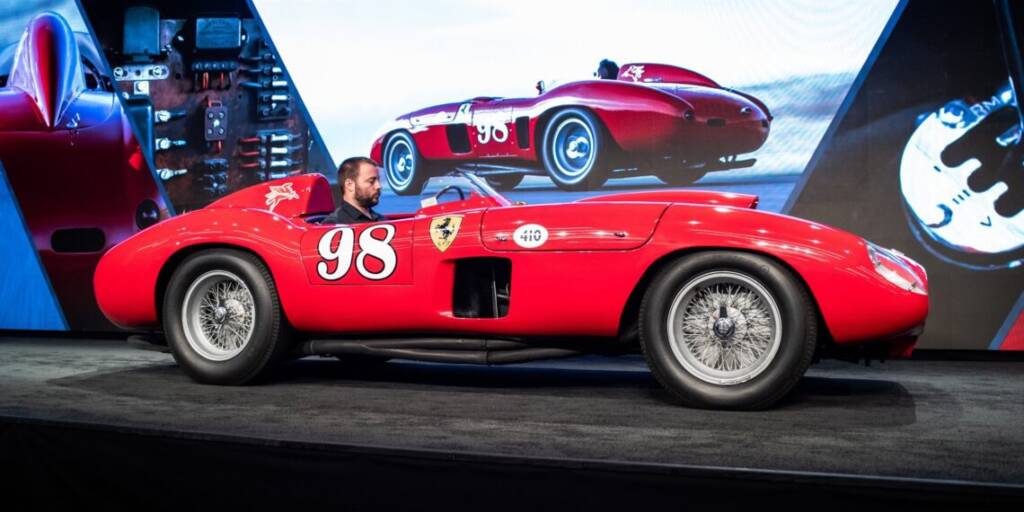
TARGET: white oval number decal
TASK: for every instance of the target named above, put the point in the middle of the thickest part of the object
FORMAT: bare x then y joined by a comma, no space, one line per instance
530,236
368,246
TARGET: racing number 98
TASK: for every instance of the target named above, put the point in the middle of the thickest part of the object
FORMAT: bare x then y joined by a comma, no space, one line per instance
368,246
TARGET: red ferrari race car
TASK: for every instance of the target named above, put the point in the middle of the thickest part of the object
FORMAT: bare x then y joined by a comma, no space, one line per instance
72,159
651,119
728,304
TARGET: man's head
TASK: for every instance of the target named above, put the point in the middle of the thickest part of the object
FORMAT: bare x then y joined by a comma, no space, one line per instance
359,180
607,69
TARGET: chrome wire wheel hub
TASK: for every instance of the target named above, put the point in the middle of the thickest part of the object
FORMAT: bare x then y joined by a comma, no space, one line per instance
724,327
573,148
218,315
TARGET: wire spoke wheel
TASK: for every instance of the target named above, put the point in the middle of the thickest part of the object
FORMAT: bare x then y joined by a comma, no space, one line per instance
724,327
218,315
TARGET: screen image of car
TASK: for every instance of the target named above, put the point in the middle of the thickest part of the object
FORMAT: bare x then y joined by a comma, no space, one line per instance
72,159
655,99
645,119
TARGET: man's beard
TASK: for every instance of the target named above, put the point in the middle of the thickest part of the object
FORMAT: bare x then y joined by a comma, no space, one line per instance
368,200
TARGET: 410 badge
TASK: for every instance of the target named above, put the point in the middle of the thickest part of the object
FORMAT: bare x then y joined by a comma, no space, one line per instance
359,255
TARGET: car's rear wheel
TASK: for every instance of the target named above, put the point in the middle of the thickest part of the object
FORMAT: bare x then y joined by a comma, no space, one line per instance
505,181
727,330
404,167
222,318
576,150
678,177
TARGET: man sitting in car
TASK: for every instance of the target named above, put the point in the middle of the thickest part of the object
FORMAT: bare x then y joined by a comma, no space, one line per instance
359,181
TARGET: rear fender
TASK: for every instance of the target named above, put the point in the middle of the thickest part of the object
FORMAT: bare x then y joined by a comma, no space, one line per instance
297,196
127,277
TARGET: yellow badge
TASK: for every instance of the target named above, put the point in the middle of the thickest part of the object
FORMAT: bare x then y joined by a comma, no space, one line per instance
443,231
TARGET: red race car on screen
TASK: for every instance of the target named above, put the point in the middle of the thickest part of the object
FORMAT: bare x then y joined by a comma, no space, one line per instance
728,304
651,119
72,159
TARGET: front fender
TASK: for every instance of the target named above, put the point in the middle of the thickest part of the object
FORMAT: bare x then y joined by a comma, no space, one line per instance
856,303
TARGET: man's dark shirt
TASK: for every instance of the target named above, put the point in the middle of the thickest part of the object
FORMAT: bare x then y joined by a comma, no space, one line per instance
348,214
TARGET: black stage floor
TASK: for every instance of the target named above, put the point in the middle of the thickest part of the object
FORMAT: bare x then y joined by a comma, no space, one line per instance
925,432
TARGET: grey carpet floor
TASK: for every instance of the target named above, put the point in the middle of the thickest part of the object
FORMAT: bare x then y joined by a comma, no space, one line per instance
905,419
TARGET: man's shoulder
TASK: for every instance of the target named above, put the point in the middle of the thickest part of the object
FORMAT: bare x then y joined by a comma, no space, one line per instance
348,214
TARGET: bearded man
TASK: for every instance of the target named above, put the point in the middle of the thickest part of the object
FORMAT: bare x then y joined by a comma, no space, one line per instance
359,181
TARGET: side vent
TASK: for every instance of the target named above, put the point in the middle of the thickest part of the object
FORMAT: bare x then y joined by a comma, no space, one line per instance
523,132
482,287
458,138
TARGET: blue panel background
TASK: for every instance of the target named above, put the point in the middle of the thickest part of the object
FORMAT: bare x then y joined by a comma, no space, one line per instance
26,298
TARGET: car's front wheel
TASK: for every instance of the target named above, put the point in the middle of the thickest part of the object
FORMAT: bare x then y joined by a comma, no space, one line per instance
575,150
727,330
222,318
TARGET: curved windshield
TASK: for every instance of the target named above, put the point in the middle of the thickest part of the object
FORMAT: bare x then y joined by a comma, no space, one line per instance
459,186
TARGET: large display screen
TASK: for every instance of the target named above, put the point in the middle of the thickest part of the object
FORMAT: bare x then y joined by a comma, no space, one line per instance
74,167
879,117
514,91
928,160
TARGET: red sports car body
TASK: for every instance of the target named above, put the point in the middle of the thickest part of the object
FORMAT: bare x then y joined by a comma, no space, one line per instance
728,303
72,160
653,119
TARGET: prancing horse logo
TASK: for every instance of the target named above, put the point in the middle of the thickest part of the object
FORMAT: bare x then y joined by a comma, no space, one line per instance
634,72
280,193
443,231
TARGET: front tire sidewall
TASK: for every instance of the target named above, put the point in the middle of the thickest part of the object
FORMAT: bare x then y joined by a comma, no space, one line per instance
268,343
790,362
597,173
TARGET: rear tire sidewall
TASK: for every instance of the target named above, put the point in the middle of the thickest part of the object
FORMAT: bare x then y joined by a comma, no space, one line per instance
596,175
678,177
789,363
412,184
268,342
505,181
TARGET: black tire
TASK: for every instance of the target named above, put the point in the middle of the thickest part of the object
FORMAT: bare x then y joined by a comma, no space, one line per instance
770,377
563,134
404,167
678,177
268,341
505,181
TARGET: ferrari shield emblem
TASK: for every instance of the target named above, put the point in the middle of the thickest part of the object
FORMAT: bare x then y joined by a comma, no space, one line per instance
443,231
